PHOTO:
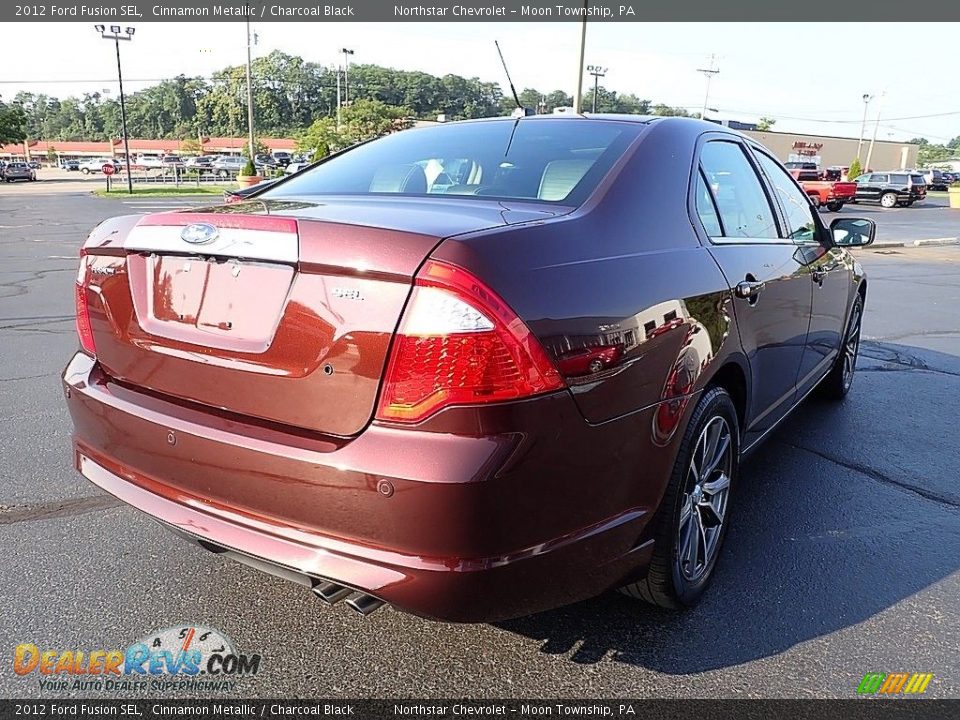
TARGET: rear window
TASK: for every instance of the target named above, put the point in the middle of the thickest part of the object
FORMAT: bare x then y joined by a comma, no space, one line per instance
918,180
808,175
547,160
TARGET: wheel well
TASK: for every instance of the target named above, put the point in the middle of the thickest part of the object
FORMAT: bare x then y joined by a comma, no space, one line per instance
863,290
732,379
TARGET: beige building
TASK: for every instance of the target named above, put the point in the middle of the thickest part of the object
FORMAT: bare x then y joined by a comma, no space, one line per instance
826,151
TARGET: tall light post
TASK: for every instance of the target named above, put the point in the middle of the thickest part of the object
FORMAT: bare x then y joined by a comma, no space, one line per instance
876,127
346,71
597,72
115,35
708,73
578,98
867,97
250,140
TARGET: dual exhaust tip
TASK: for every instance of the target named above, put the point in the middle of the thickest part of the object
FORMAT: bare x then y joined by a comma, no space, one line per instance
331,593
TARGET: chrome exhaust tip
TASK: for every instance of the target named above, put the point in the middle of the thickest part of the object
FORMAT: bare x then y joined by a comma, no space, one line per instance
365,604
331,593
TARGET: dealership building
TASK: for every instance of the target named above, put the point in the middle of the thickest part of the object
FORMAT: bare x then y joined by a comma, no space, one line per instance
827,151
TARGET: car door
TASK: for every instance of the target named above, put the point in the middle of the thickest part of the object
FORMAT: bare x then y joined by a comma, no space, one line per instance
828,268
771,286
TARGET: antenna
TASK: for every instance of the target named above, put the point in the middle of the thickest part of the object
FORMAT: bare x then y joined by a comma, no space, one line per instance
521,111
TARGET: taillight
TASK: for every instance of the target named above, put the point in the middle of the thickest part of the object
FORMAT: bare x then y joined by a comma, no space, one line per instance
460,344
84,329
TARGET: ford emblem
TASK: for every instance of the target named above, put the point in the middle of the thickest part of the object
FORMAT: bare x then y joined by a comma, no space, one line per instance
199,234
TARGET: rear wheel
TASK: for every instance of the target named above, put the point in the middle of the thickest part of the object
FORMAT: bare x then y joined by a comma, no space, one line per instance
85,171
834,206
888,199
837,383
696,507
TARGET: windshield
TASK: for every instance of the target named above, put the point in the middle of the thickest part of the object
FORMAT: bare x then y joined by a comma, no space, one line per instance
545,160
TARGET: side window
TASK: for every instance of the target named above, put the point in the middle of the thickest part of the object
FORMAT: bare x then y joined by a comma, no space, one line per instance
742,204
882,179
801,226
706,209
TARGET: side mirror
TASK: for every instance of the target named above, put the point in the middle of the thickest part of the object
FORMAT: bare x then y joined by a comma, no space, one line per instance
853,232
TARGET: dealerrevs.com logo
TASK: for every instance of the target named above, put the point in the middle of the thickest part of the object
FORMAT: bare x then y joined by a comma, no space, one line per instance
187,658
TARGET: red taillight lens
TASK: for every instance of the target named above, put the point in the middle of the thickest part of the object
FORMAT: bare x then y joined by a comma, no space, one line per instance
84,329
460,344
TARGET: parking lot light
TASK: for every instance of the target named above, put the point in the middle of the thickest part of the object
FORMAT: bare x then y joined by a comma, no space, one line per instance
116,36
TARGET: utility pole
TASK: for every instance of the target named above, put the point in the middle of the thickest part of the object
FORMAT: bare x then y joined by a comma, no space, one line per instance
867,97
597,72
339,103
115,35
250,139
578,98
346,72
708,73
876,127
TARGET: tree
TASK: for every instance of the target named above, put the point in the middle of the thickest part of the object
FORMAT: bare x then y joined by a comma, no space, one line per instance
51,154
190,146
13,123
918,141
361,120
856,170
765,123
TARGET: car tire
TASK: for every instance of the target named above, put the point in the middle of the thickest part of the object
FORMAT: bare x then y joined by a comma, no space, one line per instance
888,199
838,381
834,206
674,578
85,171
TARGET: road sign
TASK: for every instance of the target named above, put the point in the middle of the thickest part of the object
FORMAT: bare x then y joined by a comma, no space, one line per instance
108,169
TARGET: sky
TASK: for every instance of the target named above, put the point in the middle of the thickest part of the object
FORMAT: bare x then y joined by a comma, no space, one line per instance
805,75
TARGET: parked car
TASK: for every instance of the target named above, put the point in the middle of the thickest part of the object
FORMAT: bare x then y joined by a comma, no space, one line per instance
360,380
934,179
228,165
34,164
148,161
72,165
171,161
798,165
890,189
295,167
96,165
19,171
824,193
281,158
836,173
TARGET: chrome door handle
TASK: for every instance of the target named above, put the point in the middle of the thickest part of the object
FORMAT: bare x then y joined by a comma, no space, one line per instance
818,276
748,289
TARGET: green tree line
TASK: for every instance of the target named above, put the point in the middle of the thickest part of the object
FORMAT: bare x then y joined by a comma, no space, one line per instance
290,94
931,153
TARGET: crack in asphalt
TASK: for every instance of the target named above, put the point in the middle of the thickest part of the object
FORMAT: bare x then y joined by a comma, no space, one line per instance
875,474
11,515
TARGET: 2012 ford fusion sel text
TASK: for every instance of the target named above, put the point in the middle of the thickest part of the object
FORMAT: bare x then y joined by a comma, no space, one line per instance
473,371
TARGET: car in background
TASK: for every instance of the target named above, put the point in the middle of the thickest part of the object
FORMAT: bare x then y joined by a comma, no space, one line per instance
825,193
34,164
798,165
96,165
265,164
171,161
148,161
951,177
19,171
358,379
281,158
934,179
228,165
891,189
836,173
199,161
295,167
70,165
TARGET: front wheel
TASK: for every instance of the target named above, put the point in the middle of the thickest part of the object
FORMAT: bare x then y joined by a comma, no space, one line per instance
85,171
837,383
888,199
834,206
695,513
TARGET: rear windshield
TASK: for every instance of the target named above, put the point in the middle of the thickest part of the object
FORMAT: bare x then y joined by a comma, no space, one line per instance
918,180
543,160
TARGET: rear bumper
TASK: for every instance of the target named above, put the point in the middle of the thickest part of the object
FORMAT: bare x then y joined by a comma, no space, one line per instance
459,528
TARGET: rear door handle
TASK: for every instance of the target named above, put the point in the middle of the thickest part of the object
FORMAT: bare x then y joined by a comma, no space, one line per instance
818,276
748,289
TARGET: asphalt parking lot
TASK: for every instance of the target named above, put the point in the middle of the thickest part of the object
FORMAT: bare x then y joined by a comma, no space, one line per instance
842,559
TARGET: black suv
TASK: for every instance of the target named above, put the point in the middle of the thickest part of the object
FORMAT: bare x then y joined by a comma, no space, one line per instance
890,188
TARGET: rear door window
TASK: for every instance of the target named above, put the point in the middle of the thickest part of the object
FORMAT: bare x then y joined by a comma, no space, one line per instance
801,226
741,202
877,178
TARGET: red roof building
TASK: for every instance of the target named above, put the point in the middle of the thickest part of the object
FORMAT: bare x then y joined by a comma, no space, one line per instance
114,148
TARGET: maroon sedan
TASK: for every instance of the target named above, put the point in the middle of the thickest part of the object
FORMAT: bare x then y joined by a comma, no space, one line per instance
473,371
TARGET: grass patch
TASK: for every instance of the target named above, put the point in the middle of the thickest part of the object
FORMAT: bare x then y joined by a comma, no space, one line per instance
119,190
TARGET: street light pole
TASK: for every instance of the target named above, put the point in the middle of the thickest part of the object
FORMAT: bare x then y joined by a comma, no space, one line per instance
346,72
876,127
708,73
115,35
867,97
597,72
250,140
578,98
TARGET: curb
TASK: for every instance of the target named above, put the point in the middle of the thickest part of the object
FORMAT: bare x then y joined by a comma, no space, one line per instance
931,242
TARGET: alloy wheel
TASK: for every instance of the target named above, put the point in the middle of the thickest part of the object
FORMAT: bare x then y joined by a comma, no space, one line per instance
851,347
704,503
